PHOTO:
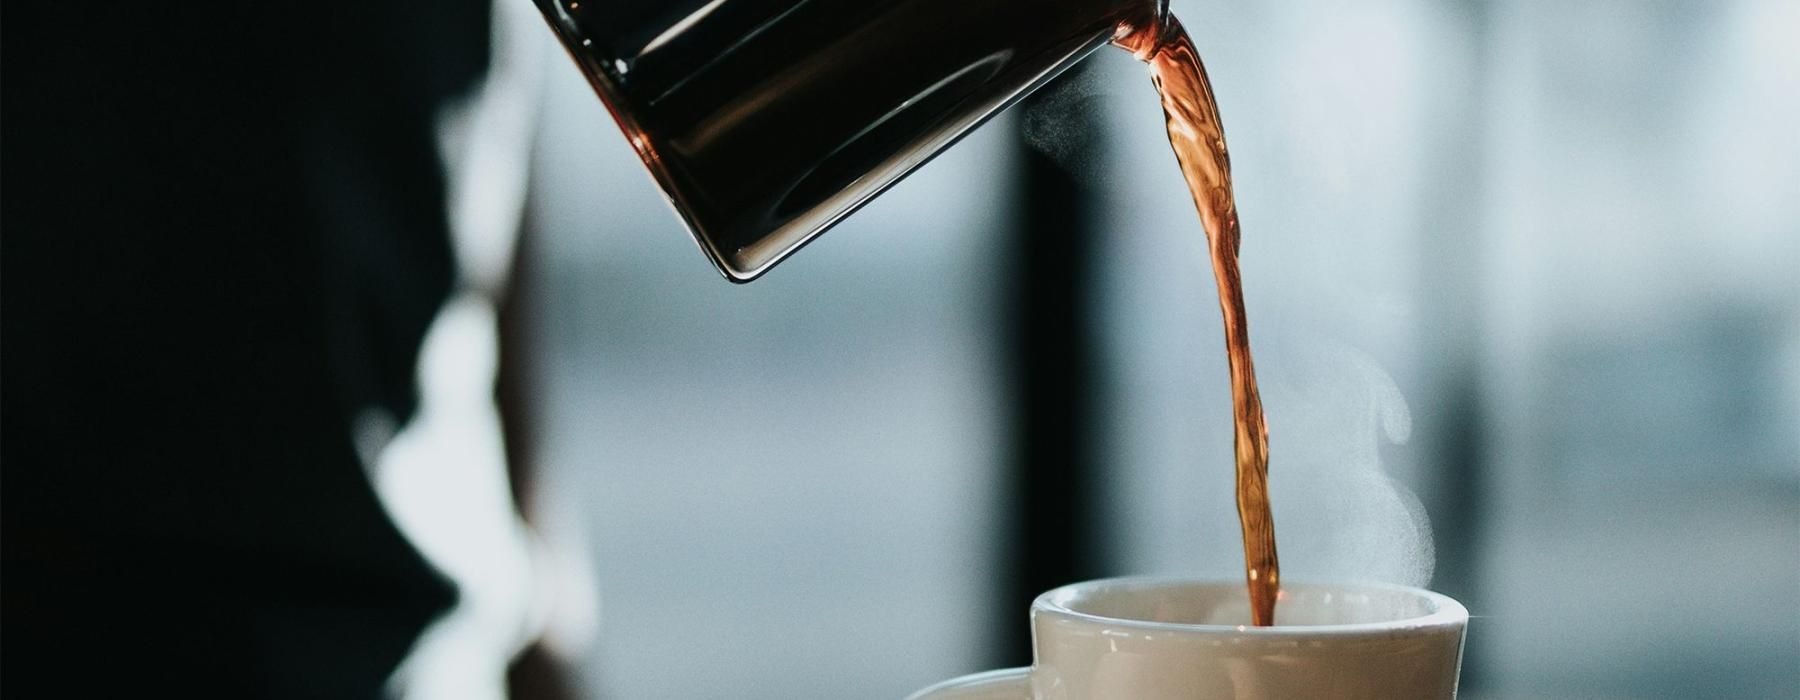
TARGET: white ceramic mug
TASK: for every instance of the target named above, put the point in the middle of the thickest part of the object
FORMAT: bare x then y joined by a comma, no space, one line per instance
1155,639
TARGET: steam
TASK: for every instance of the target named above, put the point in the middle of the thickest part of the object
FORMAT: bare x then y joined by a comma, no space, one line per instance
1338,515
1064,122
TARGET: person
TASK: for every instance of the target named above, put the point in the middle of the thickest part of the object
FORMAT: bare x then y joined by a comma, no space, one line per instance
233,233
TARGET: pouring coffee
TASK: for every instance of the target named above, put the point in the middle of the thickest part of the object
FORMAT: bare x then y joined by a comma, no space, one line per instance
767,121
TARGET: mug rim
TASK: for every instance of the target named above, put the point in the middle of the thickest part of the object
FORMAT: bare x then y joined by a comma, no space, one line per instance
1446,612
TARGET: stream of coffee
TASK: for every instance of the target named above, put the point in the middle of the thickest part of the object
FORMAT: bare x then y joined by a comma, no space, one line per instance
1199,142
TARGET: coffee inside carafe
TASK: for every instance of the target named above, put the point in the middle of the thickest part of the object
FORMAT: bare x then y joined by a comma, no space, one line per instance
767,121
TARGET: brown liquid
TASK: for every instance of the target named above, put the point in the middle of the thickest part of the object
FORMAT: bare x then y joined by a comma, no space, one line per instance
1199,142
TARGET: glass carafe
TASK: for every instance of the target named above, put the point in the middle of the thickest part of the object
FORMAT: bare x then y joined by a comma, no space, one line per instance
767,121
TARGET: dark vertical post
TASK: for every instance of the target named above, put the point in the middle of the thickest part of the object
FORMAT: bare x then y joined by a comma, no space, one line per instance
1048,487
1453,441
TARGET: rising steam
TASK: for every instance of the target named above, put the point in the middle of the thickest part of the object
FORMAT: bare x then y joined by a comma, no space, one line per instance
1063,122
1339,516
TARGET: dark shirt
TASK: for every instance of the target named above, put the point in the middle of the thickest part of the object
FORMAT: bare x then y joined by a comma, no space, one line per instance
224,236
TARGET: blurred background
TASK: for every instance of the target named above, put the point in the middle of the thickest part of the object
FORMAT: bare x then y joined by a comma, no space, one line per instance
1527,270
